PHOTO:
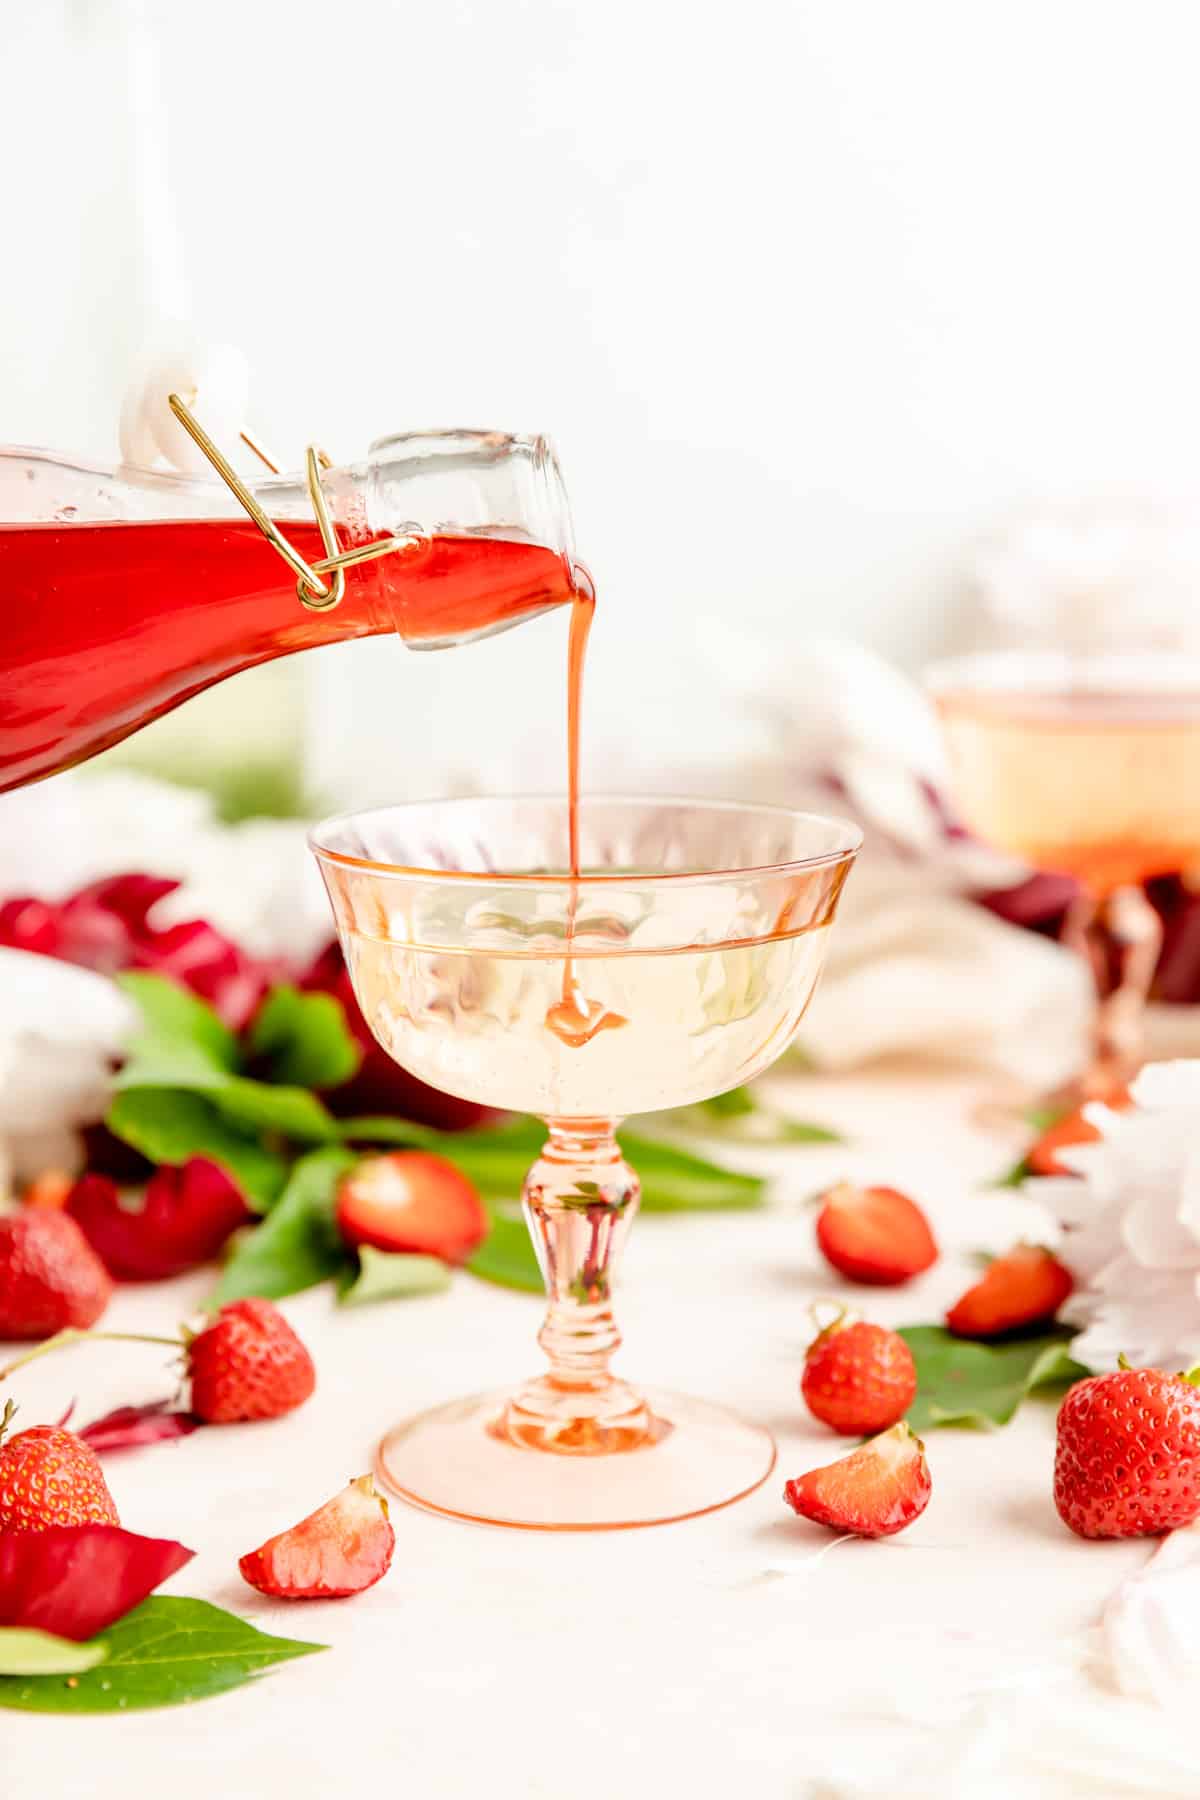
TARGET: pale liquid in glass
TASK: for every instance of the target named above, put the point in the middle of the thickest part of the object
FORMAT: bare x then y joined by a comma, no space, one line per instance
694,1022
1104,786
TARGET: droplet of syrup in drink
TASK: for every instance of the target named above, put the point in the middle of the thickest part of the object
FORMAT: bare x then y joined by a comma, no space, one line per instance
575,1019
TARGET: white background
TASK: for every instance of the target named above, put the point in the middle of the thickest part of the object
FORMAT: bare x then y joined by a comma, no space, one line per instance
806,294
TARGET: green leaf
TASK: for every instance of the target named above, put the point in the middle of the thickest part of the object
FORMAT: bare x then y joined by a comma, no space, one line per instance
739,1116
254,1106
168,1125
172,1014
298,1244
260,1106
384,1129
960,1382
185,1046
305,1038
1015,1177
734,1103
168,1650
25,1652
676,1180
506,1255
392,1277
497,1160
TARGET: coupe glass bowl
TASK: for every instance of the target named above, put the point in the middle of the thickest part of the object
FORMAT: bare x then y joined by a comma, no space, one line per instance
677,966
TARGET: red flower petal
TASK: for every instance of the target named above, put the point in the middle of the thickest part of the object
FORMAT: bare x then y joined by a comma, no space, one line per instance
1178,978
198,957
106,927
130,897
380,1086
105,1154
30,925
185,1217
73,1580
1040,902
130,1426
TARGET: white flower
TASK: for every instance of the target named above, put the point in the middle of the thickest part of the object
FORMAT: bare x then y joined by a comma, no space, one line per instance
60,1029
61,1025
1130,1217
257,882
1089,575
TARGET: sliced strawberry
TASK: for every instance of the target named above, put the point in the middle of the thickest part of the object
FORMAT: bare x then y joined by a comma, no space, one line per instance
874,1234
877,1490
1023,1288
410,1200
342,1548
1071,1129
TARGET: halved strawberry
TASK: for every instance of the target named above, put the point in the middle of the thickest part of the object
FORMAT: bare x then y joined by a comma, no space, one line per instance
877,1490
874,1234
411,1201
1027,1285
1072,1128
342,1548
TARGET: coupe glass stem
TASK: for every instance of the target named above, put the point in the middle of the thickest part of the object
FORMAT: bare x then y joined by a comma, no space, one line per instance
580,1198
1120,936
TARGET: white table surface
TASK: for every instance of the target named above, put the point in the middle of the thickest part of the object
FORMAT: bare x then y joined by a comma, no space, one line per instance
698,1658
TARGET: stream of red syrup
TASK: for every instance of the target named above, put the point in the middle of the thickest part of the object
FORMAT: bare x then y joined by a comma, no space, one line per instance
574,1018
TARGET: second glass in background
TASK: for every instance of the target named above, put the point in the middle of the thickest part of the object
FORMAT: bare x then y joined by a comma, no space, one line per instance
1087,766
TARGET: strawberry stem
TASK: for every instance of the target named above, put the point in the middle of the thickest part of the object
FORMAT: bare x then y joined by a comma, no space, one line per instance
842,1315
62,1339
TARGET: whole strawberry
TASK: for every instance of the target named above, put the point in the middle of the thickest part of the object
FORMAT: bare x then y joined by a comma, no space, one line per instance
50,1277
248,1364
48,1476
858,1377
1128,1456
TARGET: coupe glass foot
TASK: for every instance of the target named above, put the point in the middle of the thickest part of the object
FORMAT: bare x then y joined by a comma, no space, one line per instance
669,1457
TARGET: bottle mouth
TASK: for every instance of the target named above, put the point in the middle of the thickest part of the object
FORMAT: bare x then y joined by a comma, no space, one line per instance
555,505
479,481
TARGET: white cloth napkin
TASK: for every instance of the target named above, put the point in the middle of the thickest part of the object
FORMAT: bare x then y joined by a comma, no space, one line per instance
916,971
915,965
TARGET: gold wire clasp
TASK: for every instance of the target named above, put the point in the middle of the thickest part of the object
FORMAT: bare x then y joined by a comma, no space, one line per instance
314,593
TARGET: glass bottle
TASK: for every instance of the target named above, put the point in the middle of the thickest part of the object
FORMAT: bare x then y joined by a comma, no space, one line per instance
124,592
